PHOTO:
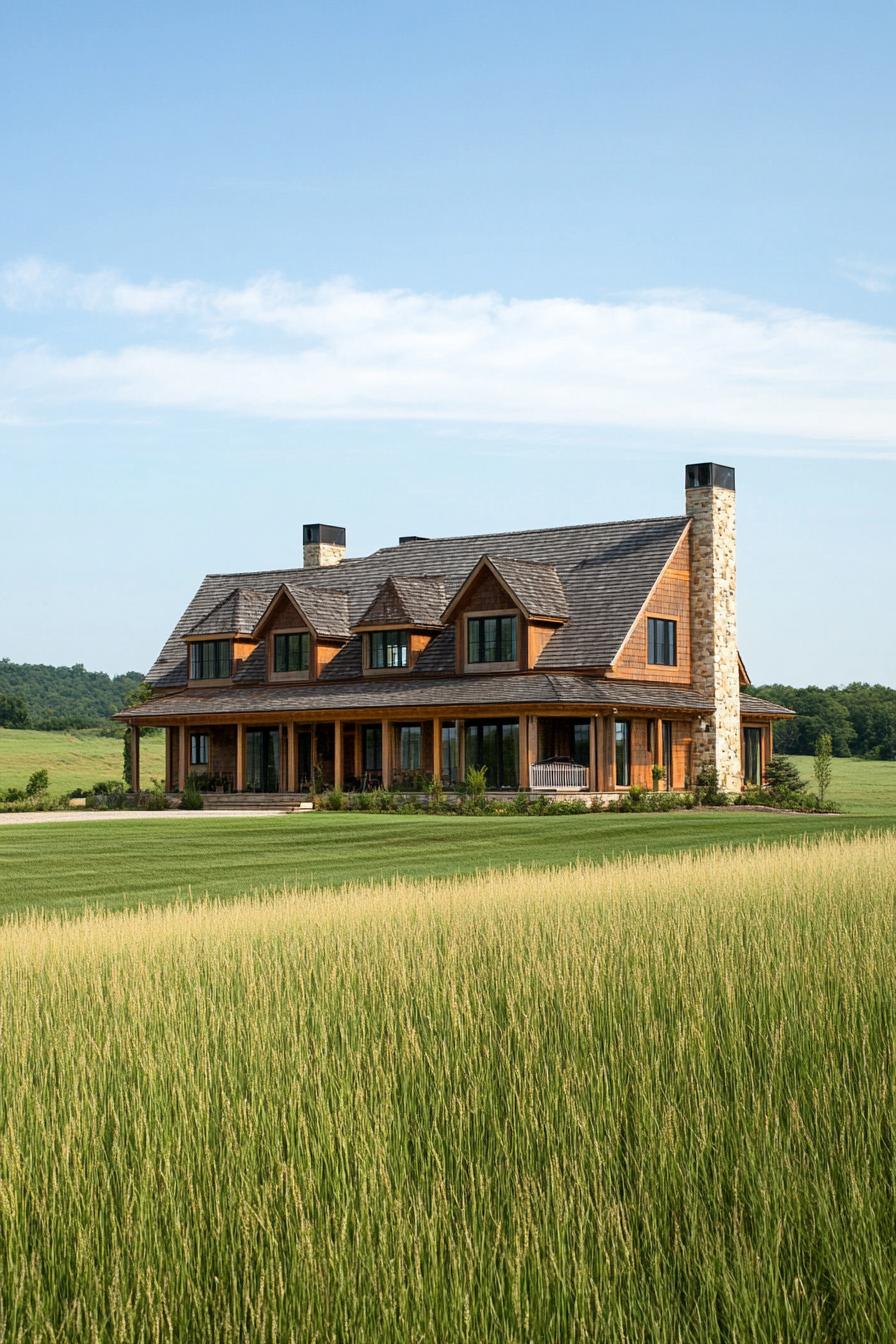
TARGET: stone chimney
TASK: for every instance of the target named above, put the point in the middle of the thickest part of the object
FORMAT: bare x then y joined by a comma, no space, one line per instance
709,502
322,545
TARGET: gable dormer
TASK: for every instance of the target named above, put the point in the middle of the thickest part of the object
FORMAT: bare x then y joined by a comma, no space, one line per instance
303,627
504,614
399,623
222,639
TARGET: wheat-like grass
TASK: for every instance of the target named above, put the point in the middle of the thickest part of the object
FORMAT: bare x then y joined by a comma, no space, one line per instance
649,1101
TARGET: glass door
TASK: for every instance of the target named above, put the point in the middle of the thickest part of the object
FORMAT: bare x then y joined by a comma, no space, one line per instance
496,746
263,760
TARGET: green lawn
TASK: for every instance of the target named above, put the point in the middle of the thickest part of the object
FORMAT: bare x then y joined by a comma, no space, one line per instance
73,760
118,864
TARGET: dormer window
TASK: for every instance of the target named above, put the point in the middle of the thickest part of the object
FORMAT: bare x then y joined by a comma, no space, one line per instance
210,659
292,652
662,642
388,649
491,639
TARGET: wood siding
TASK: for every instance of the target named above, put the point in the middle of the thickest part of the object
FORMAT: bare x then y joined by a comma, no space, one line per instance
670,600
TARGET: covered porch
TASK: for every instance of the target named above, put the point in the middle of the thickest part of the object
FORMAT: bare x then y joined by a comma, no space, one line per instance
597,753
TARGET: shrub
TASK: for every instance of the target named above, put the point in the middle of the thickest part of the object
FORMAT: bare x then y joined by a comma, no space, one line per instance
334,801
709,794
154,798
658,773
477,782
191,799
822,765
37,784
782,778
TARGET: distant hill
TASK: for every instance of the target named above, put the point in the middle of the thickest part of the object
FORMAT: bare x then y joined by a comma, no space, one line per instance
61,697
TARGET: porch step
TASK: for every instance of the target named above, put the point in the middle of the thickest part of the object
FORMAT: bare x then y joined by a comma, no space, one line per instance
251,802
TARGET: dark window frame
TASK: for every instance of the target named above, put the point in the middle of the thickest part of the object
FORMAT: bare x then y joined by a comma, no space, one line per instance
288,642
662,641
622,741
752,734
383,644
506,628
199,748
211,659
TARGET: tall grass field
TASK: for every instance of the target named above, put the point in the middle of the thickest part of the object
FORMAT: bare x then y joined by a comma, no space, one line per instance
653,1101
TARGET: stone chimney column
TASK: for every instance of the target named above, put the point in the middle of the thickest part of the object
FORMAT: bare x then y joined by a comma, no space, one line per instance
322,545
709,502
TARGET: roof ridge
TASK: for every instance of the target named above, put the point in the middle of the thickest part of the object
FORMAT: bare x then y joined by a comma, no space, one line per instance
529,531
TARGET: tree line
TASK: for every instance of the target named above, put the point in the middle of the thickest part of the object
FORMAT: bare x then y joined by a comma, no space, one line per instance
35,695
859,718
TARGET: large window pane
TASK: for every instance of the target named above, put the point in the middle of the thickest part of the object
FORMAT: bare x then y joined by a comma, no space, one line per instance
753,756
581,744
388,648
668,759
661,642
409,746
491,639
210,660
449,753
373,747
623,753
292,652
495,746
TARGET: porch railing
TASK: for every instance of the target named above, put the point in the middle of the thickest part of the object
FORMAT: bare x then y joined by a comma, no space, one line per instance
558,775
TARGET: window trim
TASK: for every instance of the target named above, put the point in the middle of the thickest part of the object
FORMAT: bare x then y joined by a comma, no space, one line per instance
196,753
195,646
627,725
402,633
667,621
513,665
302,675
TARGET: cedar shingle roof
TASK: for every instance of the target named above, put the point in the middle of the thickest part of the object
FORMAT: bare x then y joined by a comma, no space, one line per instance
237,614
751,704
325,609
424,693
535,586
407,601
606,570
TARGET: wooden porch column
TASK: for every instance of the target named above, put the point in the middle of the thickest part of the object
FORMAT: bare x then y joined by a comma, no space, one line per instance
387,753
461,751
135,757
437,750
592,753
240,782
338,773
358,763
660,758
183,758
606,746
292,758
524,751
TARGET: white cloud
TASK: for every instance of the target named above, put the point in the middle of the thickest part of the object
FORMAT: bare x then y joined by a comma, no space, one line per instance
679,362
871,276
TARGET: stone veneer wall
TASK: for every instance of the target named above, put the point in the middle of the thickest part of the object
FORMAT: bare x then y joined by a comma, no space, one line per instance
714,662
321,554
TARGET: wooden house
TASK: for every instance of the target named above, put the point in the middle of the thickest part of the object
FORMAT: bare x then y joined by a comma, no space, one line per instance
559,658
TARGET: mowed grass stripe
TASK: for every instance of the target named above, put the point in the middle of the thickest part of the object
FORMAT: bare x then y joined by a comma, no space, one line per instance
650,1101
118,864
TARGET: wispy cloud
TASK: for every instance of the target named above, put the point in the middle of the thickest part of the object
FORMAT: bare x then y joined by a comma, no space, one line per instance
676,362
871,276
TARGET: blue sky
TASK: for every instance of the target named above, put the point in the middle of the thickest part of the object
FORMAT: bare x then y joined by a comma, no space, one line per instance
437,269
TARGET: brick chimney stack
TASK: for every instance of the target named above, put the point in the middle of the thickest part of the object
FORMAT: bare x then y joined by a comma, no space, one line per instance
322,545
709,502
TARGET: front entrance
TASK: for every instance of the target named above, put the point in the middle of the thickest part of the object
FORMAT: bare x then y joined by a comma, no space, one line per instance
262,760
495,746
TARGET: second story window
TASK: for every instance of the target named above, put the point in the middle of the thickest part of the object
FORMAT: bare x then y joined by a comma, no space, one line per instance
388,648
292,653
491,639
662,648
210,660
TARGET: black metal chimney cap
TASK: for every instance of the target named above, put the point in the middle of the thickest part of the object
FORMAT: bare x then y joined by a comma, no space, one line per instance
700,474
312,533
402,541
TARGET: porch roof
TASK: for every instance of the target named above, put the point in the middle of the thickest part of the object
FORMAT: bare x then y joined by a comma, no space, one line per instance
425,694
